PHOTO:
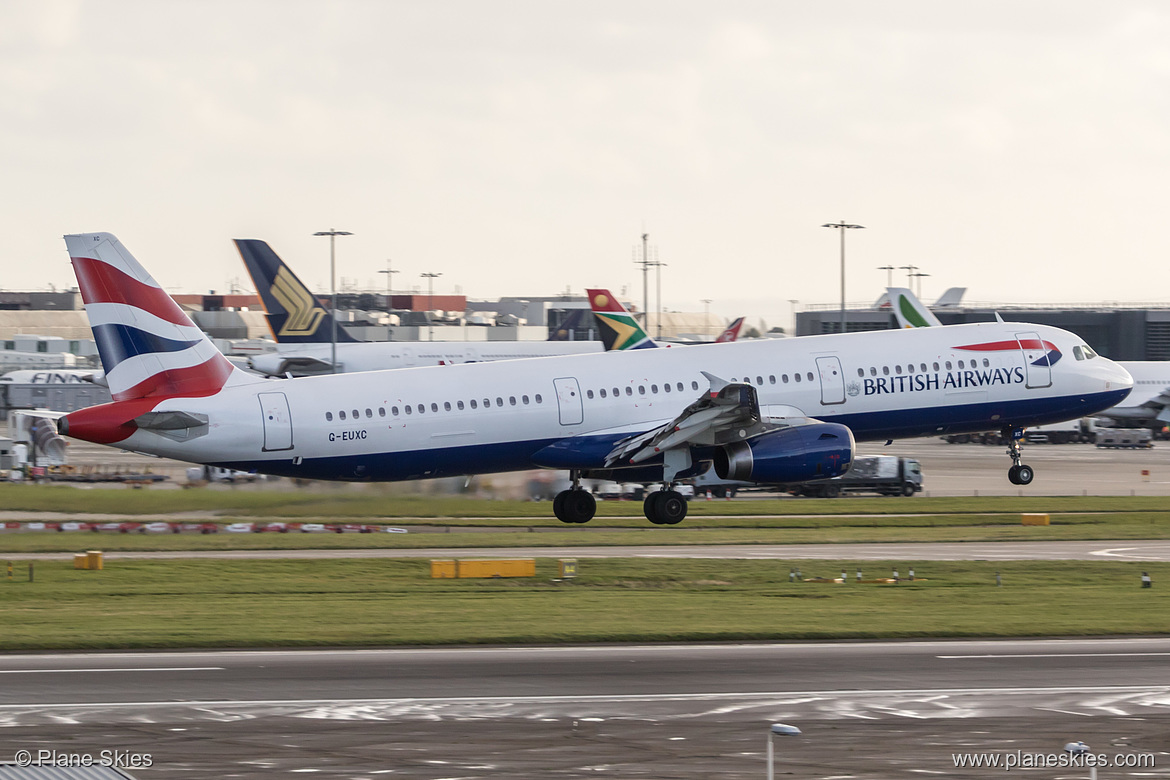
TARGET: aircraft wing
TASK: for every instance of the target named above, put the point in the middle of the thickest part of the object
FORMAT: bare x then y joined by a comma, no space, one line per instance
729,411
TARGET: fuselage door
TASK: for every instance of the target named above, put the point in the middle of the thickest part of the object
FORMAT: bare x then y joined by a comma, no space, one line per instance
569,401
277,422
832,380
1037,368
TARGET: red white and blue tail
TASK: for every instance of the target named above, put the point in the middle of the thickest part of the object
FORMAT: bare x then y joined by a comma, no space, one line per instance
149,347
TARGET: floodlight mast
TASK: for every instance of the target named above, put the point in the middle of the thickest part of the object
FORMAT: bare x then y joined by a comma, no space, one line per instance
842,226
333,234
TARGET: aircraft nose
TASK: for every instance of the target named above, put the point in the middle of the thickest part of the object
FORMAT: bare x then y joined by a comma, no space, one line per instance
1115,376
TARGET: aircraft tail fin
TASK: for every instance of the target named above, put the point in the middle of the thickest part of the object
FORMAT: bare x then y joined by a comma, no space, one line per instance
619,329
951,298
909,310
731,332
294,314
149,347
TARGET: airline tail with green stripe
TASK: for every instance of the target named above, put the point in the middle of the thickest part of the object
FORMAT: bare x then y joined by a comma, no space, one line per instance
909,310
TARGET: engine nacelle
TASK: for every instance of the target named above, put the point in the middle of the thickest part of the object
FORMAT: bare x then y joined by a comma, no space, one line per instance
798,454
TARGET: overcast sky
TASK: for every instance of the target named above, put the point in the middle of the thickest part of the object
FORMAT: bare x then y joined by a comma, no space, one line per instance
1018,148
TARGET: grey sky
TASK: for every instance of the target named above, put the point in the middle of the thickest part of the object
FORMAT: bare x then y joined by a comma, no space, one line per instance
1016,148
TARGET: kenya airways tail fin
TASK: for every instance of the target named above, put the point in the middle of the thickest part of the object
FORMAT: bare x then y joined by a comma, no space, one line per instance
294,315
149,347
731,332
909,310
619,329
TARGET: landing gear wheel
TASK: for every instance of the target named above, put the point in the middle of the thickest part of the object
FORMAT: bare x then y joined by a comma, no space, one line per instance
665,507
1021,475
574,506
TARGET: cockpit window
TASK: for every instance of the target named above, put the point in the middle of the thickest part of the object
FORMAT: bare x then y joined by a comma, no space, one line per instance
1089,353
1078,354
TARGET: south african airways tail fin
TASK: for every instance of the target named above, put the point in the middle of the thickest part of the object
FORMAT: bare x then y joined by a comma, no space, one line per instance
619,329
294,314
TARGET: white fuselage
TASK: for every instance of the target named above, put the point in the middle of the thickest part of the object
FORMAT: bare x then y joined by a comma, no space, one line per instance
385,355
498,416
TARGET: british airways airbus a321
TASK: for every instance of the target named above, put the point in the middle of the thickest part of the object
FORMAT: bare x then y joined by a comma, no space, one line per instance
762,411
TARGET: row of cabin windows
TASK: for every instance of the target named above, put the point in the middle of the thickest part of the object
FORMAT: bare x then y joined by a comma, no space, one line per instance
922,367
356,414
666,387
679,387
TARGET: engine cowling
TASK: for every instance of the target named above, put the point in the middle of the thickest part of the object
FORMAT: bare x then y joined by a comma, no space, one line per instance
798,454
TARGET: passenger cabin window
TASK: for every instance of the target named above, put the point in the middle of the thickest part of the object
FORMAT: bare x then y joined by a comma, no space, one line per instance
885,370
796,377
948,365
369,413
434,407
341,415
694,385
329,415
459,405
409,410
381,411
473,403
861,372
446,406
524,398
810,376
936,366
602,392
784,378
394,410
538,398
629,390
897,369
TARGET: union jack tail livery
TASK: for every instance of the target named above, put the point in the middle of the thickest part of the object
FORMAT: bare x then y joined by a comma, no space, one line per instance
149,347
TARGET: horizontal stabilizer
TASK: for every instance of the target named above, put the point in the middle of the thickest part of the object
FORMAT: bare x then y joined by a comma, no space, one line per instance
169,421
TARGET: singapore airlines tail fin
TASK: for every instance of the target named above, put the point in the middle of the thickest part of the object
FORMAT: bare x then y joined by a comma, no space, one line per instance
619,329
148,345
909,310
294,315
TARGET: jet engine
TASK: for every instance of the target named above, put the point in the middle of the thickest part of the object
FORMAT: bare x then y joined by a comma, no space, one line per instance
797,454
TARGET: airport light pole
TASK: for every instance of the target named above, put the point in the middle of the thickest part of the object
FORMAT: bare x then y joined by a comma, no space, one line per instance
333,234
784,730
389,286
889,269
430,302
909,269
842,226
919,276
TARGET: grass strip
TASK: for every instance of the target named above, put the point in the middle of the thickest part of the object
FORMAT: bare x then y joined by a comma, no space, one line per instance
180,604
695,530
384,501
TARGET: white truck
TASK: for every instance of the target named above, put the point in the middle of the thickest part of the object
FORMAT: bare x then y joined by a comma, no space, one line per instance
889,475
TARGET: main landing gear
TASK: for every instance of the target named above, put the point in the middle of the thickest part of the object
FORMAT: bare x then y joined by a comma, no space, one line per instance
1018,474
665,507
575,505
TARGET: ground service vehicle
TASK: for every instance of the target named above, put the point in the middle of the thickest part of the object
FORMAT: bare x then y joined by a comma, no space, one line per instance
889,475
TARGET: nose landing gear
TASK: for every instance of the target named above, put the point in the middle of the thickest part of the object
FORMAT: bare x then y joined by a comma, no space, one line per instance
1019,473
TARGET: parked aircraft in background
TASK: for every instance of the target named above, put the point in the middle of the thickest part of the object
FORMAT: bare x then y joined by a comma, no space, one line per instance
54,376
303,328
1147,405
764,411
620,329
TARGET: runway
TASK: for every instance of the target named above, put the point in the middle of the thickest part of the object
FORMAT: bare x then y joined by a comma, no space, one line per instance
1114,550
679,711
